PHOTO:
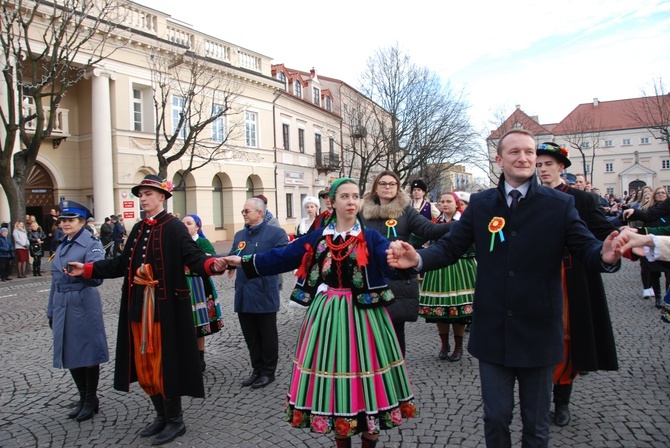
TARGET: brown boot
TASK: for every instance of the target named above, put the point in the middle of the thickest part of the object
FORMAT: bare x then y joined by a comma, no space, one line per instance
368,443
458,349
444,350
343,442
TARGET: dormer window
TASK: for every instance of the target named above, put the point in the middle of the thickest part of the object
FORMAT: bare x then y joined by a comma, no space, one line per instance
297,88
317,95
328,105
282,78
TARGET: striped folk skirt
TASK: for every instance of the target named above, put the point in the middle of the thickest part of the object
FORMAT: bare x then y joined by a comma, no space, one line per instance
447,293
207,315
348,375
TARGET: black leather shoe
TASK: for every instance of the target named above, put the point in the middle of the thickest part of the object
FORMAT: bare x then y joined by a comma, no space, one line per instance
562,415
251,380
443,355
262,381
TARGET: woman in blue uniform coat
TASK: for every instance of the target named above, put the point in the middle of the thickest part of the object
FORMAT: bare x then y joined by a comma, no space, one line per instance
75,310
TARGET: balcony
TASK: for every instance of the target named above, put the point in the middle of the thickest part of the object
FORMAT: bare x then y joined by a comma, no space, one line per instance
61,128
327,161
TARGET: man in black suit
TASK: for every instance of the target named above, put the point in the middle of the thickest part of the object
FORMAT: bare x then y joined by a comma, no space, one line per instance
521,230
589,340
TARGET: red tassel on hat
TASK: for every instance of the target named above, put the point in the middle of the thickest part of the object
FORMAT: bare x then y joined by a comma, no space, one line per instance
362,253
306,259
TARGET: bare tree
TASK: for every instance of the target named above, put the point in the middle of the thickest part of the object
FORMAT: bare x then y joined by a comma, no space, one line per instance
366,150
582,131
653,112
429,122
47,48
192,100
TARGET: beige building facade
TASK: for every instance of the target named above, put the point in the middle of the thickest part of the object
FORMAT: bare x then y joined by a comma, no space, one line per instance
280,143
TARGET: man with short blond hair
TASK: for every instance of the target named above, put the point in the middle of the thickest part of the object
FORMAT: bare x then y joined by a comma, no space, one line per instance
522,229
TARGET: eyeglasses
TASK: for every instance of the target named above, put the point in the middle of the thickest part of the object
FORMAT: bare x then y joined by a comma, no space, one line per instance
661,192
388,184
247,211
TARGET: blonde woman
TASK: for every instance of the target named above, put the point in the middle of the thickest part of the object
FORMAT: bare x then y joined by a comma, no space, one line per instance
21,246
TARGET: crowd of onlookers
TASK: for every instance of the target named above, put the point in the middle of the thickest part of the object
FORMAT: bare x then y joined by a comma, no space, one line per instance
26,242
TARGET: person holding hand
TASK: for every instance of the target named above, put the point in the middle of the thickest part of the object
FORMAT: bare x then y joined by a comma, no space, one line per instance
156,342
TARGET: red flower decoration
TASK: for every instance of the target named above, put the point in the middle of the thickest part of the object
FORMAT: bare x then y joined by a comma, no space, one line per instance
342,427
496,224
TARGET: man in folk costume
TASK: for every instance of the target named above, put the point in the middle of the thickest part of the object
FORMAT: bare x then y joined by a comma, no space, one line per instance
322,218
156,343
425,208
588,336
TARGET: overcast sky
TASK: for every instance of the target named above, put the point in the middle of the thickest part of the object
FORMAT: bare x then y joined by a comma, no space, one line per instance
547,56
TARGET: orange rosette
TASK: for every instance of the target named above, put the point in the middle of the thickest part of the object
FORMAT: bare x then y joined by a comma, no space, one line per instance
390,225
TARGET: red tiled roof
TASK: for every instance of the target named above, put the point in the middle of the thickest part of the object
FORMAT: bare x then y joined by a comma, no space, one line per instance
519,117
614,115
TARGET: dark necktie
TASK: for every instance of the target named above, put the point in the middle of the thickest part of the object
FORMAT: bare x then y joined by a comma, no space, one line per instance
516,195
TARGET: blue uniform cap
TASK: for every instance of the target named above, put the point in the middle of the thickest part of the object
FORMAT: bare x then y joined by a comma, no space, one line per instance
72,209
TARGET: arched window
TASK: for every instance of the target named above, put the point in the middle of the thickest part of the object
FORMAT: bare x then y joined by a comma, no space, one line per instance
217,202
178,197
282,77
250,188
297,88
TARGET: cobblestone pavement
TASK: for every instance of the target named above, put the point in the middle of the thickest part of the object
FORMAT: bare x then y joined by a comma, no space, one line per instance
627,408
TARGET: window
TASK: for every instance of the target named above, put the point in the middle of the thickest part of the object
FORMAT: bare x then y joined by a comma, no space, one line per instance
586,145
610,190
282,77
297,88
588,168
609,167
177,111
289,205
328,105
303,212
317,96
141,118
217,124
644,140
331,145
250,119
609,143
217,202
317,143
301,140
626,142
665,164
137,109
285,136
178,196
250,188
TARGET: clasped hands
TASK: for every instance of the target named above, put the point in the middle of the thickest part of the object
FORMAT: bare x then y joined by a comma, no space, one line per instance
401,255
219,265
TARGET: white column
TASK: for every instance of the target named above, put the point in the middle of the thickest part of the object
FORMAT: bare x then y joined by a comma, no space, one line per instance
101,140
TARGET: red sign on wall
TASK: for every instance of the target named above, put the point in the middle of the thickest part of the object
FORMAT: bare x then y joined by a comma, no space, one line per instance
128,204
128,215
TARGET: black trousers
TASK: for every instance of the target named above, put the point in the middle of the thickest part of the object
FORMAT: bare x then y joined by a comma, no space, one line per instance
5,266
260,334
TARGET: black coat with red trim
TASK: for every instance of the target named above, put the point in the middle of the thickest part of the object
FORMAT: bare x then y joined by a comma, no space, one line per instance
592,343
167,247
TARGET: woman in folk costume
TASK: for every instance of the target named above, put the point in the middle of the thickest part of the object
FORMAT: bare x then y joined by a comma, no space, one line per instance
447,293
207,315
388,210
347,342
